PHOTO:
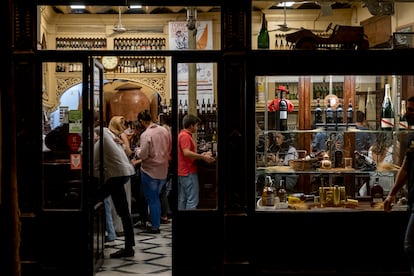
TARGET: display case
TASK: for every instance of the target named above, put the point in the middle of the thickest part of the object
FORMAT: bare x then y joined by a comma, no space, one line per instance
328,156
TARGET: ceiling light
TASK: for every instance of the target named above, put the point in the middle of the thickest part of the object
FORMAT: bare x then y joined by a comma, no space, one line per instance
77,7
135,6
286,4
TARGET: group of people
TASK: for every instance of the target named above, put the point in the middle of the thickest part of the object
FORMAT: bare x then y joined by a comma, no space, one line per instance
144,151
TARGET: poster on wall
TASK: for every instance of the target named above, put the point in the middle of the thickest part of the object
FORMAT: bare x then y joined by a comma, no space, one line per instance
178,31
178,40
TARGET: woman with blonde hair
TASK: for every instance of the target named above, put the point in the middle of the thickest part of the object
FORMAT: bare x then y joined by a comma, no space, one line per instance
117,127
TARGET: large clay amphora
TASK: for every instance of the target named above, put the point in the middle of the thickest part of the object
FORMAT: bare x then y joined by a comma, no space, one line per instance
128,101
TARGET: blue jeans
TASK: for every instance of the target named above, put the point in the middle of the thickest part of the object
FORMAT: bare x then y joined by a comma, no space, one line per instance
115,187
110,229
409,241
152,189
188,189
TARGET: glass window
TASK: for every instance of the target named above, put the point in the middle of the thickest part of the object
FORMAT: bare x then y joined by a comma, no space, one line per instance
327,141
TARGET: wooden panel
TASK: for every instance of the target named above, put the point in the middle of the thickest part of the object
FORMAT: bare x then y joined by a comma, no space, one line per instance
377,29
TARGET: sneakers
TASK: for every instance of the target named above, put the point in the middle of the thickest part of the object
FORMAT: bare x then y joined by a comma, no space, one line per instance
123,253
152,231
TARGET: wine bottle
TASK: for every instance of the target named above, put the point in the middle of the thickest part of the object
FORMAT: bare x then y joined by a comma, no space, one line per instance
403,124
164,107
208,106
350,113
170,107
377,193
198,108
269,192
203,107
318,112
263,38
329,114
214,106
180,107
339,118
281,193
185,107
282,112
387,111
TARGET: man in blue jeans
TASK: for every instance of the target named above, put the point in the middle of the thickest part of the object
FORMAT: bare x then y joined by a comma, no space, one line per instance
405,176
155,154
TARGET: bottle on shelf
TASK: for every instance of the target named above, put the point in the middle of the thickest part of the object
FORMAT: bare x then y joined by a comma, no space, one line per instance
198,108
180,108
318,112
165,107
170,107
339,113
350,113
329,116
377,193
208,106
403,124
214,106
214,144
281,192
269,192
185,108
203,107
282,111
263,38
387,110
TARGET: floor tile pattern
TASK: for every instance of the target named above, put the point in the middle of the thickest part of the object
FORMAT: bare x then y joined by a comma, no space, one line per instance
152,255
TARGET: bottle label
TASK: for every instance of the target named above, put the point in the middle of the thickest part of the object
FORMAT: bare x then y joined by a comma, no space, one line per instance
283,114
403,125
387,122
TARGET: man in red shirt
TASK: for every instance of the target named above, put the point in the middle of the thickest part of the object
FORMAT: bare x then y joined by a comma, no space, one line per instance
188,186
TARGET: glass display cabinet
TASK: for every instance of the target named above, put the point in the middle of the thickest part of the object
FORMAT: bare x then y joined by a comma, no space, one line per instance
330,150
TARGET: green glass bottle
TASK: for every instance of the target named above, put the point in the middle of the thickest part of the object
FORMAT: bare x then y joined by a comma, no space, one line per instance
263,38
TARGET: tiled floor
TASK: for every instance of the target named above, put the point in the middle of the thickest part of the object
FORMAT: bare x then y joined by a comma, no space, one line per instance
152,255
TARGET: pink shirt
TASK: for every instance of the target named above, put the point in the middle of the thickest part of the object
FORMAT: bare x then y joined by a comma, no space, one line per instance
155,151
185,165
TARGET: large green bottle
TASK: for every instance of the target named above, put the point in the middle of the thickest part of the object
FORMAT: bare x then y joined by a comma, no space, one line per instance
263,38
387,110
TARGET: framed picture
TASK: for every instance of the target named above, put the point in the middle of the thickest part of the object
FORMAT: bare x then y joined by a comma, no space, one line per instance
404,36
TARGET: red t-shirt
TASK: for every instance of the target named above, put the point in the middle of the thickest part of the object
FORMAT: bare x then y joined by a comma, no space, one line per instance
185,165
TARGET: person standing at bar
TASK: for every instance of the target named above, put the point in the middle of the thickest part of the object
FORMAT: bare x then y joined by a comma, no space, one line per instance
188,185
155,153
118,171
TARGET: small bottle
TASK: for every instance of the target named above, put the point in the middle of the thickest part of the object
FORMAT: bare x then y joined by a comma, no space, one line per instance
198,108
387,110
214,106
377,193
403,124
269,193
281,193
263,38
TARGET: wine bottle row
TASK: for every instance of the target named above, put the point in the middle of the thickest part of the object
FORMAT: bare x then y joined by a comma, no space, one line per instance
141,65
68,67
334,116
139,43
203,109
65,43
